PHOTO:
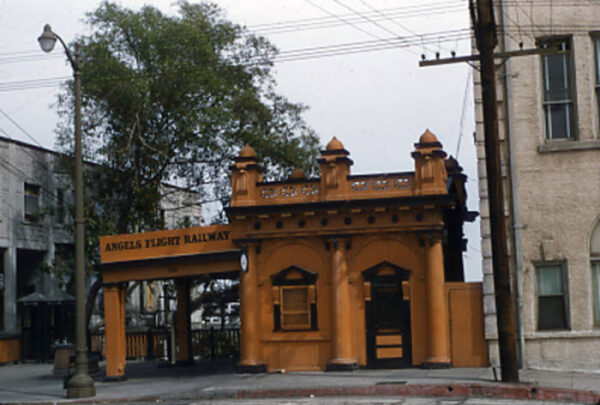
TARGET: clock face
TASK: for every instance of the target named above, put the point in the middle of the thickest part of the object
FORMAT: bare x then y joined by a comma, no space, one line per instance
244,262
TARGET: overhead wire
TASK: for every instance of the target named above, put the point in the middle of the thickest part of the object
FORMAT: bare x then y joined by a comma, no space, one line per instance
371,21
388,18
334,20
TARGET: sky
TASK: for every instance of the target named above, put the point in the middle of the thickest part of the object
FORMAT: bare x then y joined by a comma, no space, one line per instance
377,103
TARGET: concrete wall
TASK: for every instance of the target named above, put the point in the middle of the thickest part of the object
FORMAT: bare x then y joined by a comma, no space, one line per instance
22,163
556,204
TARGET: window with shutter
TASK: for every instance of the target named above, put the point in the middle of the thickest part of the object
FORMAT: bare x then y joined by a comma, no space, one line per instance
294,299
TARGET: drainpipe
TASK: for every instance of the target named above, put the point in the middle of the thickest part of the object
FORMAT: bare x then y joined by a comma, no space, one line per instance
513,180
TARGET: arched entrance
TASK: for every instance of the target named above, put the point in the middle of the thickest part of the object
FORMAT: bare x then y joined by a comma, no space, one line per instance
387,311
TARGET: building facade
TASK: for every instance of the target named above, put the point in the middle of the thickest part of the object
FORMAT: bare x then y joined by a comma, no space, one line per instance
336,272
35,223
550,135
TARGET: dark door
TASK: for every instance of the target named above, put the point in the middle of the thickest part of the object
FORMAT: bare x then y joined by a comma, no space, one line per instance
388,324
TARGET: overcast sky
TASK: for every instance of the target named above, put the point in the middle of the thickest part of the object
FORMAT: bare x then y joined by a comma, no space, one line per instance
377,103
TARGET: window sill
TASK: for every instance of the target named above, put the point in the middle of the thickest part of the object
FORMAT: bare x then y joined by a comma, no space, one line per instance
562,334
568,146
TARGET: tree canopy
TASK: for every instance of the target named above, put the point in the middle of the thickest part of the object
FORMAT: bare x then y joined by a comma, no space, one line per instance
172,99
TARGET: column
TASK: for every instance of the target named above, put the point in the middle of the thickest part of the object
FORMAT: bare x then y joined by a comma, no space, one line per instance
250,346
343,358
182,323
437,318
114,332
10,290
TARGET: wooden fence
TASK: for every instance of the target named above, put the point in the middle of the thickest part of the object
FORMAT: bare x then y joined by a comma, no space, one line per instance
155,343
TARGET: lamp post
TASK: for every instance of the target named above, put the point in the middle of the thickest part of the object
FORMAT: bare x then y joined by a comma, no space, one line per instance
80,385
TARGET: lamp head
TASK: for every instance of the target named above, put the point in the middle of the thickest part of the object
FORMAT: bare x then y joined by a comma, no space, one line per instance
47,39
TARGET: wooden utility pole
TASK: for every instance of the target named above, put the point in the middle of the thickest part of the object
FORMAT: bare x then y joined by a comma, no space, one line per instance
485,33
484,26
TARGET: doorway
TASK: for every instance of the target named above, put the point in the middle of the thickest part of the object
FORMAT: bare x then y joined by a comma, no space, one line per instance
388,317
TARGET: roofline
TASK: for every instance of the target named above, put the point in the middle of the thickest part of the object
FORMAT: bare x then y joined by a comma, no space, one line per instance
56,153
28,145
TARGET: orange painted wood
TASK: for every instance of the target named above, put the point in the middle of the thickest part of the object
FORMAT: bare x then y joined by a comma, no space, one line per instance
388,340
467,336
389,352
178,242
114,326
10,350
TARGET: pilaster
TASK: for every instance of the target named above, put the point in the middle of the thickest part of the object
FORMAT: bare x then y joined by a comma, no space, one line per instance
437,313
343,356
250,346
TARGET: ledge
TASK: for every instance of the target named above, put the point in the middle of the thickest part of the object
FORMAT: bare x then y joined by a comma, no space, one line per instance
563,334
296,338
568,146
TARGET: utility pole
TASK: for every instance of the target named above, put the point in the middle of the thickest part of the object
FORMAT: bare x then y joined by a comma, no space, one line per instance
485,34
484,27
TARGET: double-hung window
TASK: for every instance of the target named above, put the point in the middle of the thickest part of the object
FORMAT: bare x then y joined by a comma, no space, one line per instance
559,108
597,66
551,296
595,266
596,291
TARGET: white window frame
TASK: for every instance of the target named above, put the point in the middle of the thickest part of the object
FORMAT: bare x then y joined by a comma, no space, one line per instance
565,295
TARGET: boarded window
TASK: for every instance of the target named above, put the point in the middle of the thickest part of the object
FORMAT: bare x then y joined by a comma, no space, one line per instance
295,307
294,296
552,308
60,212
31,202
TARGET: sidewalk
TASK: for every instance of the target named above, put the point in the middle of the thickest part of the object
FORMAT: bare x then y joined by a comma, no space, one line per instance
34,383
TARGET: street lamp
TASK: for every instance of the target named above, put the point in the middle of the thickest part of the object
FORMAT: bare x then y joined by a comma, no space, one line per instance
80,385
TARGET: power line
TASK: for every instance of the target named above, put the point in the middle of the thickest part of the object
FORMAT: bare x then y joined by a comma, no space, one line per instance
353,25
334,20
405,9
463,112
16,124
366,18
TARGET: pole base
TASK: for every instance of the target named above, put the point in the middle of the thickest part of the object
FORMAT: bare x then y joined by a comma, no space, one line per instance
81,386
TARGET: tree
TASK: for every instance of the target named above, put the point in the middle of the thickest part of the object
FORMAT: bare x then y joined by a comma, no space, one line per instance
172,99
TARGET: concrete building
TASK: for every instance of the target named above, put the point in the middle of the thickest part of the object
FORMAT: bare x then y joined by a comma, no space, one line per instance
34,221
549,130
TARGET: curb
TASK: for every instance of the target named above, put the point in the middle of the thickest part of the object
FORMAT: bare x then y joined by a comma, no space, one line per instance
503,391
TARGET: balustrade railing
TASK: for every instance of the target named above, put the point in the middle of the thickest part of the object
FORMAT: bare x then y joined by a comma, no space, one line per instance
361,186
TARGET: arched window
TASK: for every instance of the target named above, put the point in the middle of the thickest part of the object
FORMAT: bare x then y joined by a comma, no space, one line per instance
294,299
595,259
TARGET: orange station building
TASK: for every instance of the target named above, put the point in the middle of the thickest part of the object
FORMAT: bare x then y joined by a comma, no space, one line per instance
335,272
